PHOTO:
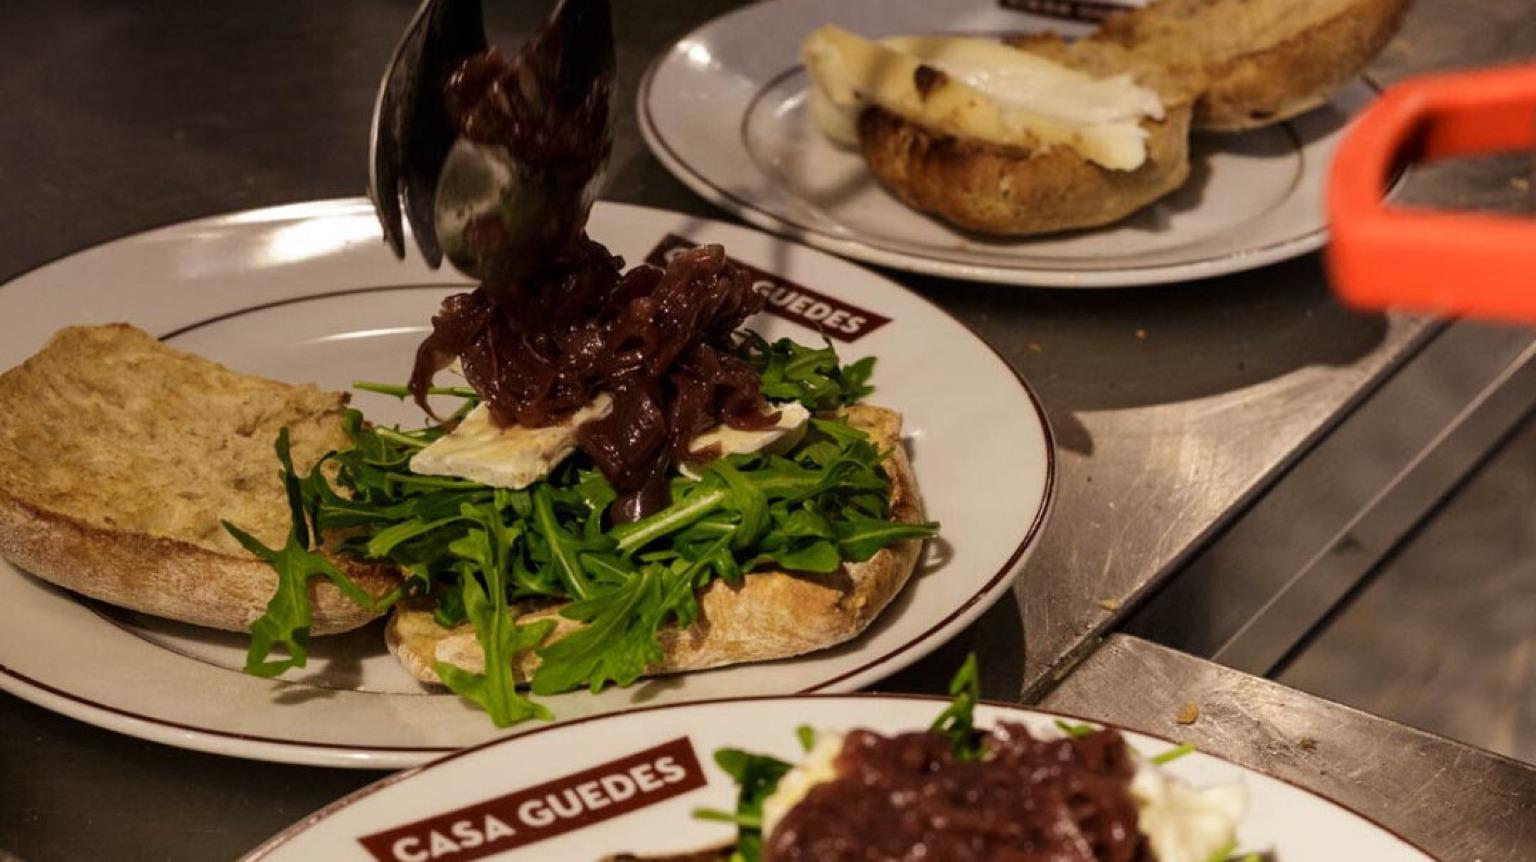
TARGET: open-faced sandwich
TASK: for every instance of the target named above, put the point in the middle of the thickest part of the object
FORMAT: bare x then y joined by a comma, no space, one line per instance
638,487
630,484
1037,134
957,793
701,497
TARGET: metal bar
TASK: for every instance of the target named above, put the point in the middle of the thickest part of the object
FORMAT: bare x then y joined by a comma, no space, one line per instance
1256,592
1458,802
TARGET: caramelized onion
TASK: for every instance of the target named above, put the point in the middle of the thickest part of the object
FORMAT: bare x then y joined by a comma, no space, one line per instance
663,343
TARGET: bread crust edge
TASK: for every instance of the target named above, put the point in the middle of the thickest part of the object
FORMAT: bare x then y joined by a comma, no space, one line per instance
167,577
1274,83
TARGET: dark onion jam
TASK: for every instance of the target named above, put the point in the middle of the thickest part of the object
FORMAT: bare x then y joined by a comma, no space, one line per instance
663,343
906,797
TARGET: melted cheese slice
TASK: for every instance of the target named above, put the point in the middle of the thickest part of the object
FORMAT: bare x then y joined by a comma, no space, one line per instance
983,89
513,457
776,439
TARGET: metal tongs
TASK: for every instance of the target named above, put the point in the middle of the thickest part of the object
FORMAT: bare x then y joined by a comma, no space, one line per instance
1452,263
446,182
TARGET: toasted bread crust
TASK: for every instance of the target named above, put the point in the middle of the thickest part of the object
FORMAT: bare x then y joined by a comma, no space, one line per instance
131,517
1022,191
1258,75
771,615
169,578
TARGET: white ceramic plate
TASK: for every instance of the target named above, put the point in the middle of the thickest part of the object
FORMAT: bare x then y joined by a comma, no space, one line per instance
309,293
1294,824
725,110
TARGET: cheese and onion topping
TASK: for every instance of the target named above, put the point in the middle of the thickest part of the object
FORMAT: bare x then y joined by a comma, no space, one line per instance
516,457
977,88
512,457
1181,822
776,439
818,767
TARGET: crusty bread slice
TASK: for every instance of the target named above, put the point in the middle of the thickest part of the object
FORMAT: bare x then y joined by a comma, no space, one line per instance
1263,60
772,615
119,457
1029,190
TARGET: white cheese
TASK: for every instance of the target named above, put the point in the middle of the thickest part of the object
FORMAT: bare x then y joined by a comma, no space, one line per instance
777,439
1184,823
513,457
989,91
818,767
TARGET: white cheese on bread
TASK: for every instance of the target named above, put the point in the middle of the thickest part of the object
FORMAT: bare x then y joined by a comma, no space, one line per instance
515,457
512,457
776,439
977,88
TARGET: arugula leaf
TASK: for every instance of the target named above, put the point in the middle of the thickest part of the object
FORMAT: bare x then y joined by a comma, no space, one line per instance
861,537
485,551
288,615
618,642
562,549
957,722
757,775
814,377
747,499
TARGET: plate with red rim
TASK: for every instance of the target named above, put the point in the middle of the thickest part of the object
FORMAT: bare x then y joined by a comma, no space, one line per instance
630,783
724,108
309,293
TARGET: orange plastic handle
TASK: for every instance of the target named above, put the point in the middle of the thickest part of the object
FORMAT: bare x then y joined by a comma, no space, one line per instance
1453,263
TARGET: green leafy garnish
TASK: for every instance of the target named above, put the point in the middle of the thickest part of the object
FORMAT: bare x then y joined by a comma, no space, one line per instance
289,615
957,722
807,736
757,776
483,552
485,556
814,377
1172,754
1076,731
1225,854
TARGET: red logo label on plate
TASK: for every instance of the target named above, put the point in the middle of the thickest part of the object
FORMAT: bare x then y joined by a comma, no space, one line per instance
552,808
788,300
1078,10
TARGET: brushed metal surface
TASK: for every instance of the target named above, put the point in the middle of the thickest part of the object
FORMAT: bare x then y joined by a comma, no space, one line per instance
1443,636
1459,803
1255,592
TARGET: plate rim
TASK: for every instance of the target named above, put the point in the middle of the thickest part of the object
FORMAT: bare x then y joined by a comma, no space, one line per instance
304,752
266,848
1020,276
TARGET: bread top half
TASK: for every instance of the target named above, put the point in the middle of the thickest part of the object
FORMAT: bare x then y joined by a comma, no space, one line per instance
109,427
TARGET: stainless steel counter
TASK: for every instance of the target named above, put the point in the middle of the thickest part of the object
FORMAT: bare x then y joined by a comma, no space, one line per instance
1177,408
1455,801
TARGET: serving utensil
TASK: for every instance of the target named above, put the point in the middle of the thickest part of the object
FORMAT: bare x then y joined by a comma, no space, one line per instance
1440,262
446,184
